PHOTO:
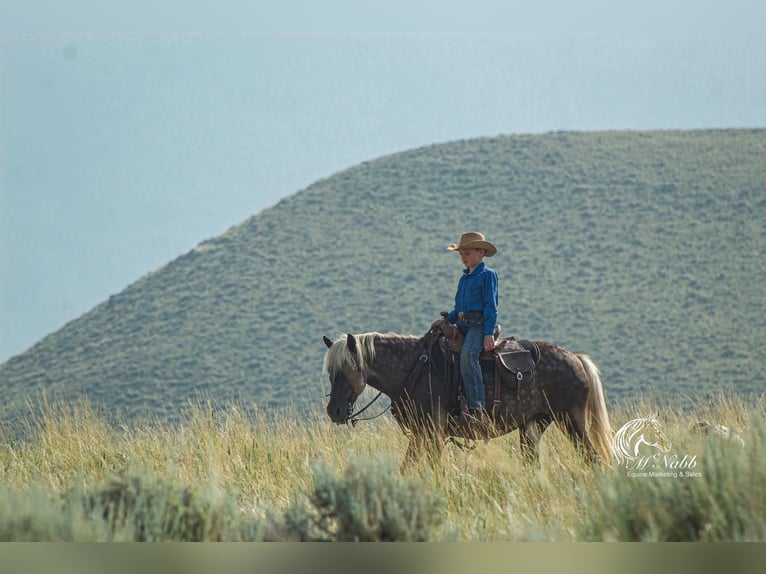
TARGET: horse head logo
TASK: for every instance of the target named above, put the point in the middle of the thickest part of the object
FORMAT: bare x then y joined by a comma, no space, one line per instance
639,438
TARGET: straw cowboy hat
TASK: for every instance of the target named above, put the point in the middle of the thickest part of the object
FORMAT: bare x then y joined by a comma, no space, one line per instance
473,240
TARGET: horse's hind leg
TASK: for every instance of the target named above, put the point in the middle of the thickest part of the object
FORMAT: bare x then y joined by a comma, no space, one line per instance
530,434
574,426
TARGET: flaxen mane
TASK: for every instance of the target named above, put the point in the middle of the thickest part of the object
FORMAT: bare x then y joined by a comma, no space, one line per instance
339,355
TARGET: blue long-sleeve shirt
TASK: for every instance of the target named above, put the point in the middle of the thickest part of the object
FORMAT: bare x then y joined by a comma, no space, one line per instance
477,291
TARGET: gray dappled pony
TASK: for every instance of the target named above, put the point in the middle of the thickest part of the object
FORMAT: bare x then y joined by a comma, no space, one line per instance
565,388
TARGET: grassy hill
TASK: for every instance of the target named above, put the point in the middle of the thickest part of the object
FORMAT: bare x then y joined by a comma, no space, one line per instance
643,249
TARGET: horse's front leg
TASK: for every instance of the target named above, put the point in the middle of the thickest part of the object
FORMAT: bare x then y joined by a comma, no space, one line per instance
419,448
530,434
426,442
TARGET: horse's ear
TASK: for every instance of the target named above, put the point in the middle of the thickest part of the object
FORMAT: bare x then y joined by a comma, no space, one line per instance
351,342
327,341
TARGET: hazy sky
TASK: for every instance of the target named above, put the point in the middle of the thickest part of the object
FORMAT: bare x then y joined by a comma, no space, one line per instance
123,145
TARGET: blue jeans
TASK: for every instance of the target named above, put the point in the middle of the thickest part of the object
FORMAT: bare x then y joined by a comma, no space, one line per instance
470,369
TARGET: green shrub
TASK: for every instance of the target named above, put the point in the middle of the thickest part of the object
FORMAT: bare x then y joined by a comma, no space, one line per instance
34,516
724,503
146,508
367,503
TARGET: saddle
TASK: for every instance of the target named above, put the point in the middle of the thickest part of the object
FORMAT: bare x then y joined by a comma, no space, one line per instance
511,363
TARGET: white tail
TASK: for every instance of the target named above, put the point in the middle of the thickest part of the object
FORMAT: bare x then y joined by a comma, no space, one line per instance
597,418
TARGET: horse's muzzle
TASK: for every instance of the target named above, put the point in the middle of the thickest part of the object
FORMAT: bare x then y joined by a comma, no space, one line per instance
338,414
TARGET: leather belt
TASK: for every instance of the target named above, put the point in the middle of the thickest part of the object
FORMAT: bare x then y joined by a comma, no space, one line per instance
469,315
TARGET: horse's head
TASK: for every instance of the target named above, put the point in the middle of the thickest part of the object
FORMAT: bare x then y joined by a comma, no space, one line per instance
345,366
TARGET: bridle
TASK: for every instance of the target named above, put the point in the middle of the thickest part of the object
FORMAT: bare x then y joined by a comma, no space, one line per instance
353,417
407,388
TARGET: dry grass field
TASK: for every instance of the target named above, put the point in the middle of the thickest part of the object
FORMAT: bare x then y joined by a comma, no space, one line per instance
245,474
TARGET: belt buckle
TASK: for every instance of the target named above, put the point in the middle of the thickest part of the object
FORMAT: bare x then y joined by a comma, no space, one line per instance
461,316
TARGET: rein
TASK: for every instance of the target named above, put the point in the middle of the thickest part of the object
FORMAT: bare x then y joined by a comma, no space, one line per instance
353,419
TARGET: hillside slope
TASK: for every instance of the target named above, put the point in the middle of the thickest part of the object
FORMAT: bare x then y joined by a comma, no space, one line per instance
643,249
